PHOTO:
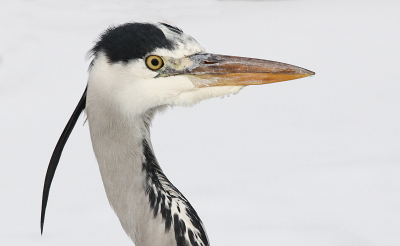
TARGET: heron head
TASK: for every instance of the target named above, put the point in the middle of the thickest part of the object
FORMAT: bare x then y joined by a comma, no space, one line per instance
139,66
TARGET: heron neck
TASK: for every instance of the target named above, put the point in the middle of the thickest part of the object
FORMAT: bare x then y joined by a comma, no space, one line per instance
150,208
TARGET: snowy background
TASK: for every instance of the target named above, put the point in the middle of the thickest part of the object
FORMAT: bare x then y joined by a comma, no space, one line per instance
314,161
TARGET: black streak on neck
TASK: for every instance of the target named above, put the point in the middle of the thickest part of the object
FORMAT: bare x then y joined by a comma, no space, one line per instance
161,198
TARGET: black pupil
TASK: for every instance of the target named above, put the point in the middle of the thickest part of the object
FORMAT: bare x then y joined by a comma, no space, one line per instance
155,62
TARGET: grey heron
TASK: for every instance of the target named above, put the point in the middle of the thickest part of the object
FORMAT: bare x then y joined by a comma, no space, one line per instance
138,69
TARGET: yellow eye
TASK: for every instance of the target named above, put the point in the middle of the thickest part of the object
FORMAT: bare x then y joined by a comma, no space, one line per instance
154,62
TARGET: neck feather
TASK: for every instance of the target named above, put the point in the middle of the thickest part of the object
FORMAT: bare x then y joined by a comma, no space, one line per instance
150,208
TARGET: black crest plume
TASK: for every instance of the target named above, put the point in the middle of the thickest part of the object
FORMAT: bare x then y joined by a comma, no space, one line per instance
55,158
131,41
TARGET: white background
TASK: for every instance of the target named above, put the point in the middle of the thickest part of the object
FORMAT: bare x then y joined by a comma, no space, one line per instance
313,161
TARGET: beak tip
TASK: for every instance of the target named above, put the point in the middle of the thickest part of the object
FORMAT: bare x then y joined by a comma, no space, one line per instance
307,72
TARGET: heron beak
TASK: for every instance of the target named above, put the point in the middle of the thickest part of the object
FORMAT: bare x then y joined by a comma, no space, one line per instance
207,69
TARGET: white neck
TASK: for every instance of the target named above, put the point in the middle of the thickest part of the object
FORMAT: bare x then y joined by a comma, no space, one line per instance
151,210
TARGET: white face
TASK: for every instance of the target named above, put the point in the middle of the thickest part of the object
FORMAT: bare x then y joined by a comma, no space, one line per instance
134,88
